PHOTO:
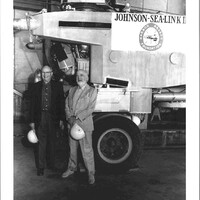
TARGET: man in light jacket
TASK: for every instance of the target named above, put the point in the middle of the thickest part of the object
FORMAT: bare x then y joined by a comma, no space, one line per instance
79,107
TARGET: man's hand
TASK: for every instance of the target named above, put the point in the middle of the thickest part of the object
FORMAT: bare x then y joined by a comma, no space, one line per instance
61,125
72,120
32,125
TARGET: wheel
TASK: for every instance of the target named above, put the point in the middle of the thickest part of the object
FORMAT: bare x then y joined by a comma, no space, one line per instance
117,144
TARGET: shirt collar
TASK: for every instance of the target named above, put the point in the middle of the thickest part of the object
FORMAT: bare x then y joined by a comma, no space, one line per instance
82,88
47,84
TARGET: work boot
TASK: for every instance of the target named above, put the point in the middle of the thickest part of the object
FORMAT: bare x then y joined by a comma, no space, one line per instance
67,173
91,179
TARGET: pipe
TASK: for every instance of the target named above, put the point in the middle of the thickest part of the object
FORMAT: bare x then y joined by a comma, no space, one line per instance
169,97
17,93
21,24
28,23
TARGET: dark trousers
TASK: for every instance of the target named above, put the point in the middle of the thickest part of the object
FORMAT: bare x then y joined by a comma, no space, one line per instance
46,133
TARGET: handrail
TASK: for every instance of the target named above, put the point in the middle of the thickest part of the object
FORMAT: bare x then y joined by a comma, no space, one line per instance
17,93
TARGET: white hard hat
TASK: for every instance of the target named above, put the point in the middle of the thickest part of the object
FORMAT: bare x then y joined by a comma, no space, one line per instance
77,132
32,136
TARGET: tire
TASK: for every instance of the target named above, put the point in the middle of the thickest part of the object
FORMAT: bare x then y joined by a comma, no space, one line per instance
117,144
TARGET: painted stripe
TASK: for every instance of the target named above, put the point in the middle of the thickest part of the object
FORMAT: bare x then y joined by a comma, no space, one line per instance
85,24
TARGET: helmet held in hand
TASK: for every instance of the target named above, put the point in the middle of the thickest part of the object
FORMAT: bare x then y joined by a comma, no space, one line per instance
77,132
32,136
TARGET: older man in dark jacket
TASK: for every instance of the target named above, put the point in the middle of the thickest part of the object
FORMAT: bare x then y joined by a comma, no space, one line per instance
46,112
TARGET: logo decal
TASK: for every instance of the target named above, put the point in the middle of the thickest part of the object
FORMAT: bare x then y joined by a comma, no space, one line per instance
151,37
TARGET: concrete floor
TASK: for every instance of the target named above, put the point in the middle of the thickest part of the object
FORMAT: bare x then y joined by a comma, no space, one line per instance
160,176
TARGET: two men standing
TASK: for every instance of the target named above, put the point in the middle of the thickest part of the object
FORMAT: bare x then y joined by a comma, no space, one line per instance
47,109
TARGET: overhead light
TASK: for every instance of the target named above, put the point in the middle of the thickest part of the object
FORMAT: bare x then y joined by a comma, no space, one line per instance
34,46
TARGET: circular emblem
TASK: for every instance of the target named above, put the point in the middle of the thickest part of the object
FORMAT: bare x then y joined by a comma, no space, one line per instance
151,37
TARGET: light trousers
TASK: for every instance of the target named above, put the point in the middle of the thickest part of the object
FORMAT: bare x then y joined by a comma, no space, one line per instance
86,150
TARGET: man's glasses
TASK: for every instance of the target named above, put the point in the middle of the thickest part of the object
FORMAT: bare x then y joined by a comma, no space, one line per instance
46,73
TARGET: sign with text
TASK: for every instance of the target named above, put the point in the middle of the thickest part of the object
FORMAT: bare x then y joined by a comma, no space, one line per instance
148,32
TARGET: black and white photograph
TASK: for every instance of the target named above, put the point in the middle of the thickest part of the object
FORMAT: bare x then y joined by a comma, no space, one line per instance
100,100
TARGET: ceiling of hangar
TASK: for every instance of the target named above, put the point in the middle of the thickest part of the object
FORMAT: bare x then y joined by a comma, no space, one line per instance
166,6
35,5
